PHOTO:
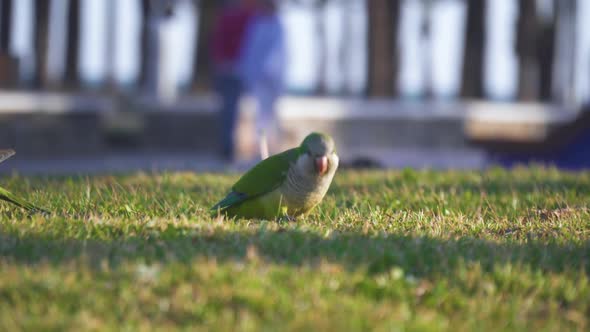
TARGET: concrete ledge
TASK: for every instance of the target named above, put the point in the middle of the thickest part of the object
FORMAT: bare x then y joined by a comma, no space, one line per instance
62,126
367,128
159,161
43,134
53,102
526,122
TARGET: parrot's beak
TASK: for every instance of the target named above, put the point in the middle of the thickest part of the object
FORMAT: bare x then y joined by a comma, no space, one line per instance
321,165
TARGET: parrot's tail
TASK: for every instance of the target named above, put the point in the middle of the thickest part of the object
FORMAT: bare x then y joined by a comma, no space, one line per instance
5,195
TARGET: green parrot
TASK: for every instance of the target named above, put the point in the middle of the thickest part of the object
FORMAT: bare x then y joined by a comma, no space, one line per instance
6,195
286,185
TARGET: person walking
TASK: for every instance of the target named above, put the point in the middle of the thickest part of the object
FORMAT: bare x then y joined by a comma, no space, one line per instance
261,67
226,47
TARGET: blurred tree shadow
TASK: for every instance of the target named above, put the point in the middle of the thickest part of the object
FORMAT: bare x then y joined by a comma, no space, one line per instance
417,255
482,183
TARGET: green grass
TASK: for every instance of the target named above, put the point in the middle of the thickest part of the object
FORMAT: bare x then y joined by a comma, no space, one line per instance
411,251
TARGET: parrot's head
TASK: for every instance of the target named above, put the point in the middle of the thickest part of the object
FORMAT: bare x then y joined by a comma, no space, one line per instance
318,154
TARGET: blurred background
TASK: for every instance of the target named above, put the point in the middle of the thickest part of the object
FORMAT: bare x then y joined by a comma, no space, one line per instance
119,85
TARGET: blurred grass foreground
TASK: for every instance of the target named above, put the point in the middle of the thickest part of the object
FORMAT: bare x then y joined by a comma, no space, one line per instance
386,250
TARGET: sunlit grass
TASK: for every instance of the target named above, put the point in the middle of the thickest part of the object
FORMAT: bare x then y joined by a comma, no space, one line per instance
499,250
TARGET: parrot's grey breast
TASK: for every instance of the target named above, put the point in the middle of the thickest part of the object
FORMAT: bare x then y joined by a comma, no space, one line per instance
303,190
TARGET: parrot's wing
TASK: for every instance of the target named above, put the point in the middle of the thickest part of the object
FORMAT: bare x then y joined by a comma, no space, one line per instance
6,195
266,176
231,199
5,154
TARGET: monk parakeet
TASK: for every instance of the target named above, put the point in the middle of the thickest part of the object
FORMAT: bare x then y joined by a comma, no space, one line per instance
6,195
286,185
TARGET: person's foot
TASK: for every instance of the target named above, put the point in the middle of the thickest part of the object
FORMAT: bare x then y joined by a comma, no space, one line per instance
263,147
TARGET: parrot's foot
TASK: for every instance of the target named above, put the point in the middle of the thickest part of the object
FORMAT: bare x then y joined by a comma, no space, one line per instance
288,218
42,212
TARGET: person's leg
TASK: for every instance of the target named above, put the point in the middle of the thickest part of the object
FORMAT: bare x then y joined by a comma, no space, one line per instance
229,89
266,98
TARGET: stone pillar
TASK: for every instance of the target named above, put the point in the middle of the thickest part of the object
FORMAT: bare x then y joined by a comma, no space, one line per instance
5,25
383,50
526,48
42,14
71,76
111,44
564,70
8,62
473,58
202,67
154,14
